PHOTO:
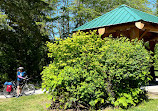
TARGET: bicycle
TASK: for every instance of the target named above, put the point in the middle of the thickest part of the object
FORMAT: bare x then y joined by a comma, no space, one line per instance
27,89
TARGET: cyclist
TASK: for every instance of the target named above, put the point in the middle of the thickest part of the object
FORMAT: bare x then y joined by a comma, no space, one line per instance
20,76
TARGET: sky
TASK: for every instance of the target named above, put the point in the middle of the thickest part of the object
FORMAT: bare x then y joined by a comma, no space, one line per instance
151,5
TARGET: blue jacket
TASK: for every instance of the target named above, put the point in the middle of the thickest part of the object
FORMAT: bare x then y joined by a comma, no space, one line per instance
22,74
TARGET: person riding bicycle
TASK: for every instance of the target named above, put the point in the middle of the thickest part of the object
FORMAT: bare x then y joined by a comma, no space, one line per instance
21,74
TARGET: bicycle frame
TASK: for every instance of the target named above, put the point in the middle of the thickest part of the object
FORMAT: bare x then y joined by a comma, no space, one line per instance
24,83
27,89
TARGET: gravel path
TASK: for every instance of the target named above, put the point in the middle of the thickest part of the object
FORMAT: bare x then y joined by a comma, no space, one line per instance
153,89
39,91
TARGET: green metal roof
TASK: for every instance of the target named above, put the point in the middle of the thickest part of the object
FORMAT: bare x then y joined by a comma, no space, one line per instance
122,14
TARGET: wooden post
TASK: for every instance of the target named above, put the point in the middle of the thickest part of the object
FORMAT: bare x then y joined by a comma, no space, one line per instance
144,33
134,33
152,47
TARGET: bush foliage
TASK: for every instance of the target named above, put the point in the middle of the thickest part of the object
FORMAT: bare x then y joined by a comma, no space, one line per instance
91,72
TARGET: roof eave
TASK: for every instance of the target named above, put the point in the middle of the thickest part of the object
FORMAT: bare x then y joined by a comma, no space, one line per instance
106,26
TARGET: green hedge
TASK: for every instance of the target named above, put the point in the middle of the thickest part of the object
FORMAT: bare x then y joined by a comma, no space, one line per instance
92,73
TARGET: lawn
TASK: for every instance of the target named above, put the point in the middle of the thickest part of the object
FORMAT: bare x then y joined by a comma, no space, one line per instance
38,103
25,103
150,105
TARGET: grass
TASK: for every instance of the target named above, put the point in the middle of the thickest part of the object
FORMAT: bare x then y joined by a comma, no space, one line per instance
38,103
25,103
151,105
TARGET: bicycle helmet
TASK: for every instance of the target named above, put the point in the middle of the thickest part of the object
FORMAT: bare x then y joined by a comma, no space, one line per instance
20,68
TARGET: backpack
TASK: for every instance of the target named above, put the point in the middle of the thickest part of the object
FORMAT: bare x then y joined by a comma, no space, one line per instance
9,86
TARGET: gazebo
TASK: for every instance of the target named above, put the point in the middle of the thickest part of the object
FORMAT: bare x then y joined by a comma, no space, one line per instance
128,22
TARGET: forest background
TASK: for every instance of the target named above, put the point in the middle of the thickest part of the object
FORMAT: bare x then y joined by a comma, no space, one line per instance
26,25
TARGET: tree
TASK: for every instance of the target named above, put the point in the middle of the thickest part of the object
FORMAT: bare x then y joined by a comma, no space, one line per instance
61,15
23,43
70,14
84,10
25,25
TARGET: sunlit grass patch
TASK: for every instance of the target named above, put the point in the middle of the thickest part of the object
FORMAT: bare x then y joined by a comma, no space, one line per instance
151,105
39,102
25,103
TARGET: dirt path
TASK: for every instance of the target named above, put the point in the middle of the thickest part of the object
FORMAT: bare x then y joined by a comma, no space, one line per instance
152,91
39,91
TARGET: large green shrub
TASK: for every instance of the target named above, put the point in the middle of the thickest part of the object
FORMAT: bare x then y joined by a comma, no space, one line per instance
93,73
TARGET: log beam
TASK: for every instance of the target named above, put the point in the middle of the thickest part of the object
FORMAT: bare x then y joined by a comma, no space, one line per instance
139,25
147,26
101,31
151,28
122,27
115,28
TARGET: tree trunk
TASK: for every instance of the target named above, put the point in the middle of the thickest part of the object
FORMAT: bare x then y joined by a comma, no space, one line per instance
58,23
152,71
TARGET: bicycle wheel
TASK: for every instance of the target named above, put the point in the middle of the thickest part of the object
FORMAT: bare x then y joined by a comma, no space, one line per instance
28,89
9,94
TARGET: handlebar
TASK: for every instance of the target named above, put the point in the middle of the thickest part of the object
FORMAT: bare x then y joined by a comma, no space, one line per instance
26,78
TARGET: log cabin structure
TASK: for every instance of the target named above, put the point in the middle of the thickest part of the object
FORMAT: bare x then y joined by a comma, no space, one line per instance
128,22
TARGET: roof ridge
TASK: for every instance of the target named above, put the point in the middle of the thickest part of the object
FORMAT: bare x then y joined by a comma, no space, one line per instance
136,16
119,15
124,5
133,9
104,14
144,12
96,18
